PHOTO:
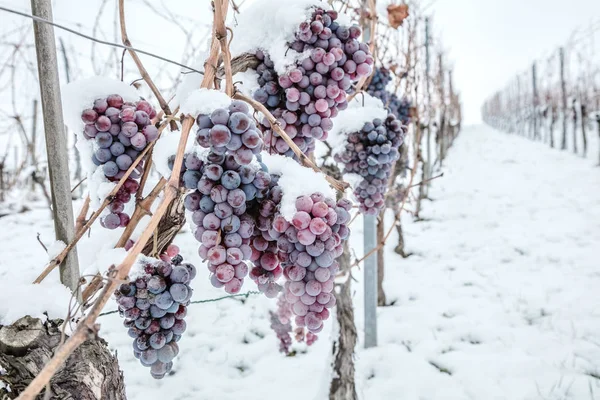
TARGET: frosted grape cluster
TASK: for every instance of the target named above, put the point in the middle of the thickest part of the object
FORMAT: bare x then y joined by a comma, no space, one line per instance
308,247
231,130
371,153
306,98
267,268
120,131
154,307
397,106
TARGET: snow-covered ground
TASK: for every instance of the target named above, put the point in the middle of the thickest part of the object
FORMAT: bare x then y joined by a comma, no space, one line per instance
498,300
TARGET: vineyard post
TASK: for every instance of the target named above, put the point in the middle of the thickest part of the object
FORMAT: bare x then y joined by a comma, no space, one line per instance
583,110
32,144
369,244
427,173
574,111
535,101
598,122
563,89
56,140
442,122
451,97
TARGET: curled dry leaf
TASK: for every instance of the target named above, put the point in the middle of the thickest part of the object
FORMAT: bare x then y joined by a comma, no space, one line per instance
397,13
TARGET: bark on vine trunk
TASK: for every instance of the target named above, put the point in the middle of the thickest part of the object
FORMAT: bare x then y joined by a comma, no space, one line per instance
90,373
343,386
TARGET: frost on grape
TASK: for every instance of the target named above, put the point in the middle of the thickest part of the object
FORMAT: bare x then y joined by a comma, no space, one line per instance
295,181
79,95
363,108
204,101
282,19
166,148
113,126
154,305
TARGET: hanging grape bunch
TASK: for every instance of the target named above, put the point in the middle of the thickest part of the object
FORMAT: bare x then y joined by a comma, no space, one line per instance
223,187
313,240
371,153
120,131
308,96
154,306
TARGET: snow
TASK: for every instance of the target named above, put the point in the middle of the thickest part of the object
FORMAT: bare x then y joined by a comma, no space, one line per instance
191,81
246,82
295,181
282,19
361,109
500,291
204,101
19,299
80,95
166,146
107,258
55,249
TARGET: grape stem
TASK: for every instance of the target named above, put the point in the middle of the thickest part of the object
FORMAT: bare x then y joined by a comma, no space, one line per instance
140,66
221,35
87,327
338,185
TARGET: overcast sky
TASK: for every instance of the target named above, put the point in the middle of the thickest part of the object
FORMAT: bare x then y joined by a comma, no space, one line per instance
488,40
491,40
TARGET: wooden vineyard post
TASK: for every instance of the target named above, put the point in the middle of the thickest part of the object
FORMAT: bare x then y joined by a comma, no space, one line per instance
56,139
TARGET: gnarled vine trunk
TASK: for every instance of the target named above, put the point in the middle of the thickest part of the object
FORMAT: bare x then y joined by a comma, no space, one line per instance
343,386
90,373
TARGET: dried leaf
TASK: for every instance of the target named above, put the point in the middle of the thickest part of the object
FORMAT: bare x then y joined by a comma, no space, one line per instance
397,13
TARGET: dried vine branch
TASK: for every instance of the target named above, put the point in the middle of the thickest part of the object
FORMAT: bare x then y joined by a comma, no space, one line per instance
221,35
140,66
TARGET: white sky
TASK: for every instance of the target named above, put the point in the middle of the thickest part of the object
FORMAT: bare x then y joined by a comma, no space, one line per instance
491,40
488,40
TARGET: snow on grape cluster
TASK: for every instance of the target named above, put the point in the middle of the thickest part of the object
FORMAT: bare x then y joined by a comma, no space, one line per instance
308,247
370,153
120,131
154,306
306,98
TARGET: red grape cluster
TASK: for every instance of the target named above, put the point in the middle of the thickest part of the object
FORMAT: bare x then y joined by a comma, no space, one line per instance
231,130
265,244
281,324
120,131
306,98
308,248
223,227
377,88
371,153
154,307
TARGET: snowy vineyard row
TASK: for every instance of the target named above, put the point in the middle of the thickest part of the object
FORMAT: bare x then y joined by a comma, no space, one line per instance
557,99
271,153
